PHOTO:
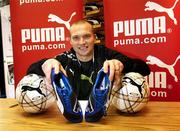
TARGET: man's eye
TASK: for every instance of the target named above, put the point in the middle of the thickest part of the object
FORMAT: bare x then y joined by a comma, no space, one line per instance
87,36
75,38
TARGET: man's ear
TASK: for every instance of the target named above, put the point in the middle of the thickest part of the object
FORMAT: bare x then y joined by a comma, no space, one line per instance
70,40
94,35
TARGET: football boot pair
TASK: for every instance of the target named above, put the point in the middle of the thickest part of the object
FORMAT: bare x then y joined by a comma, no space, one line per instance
69,105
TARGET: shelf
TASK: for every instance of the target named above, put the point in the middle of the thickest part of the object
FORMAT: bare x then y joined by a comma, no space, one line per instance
94,15
90,13
99,42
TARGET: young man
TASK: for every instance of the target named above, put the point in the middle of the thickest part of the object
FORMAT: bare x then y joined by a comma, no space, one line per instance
82,63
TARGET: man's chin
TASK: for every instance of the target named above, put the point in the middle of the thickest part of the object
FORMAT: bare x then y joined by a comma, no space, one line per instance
83,52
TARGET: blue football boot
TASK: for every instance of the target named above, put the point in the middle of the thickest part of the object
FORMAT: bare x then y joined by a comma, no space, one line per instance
66,99
98,100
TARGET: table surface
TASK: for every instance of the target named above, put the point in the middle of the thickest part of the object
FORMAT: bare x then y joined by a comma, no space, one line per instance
156,116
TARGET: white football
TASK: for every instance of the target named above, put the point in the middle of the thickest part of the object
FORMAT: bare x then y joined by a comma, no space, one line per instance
34,94
133,95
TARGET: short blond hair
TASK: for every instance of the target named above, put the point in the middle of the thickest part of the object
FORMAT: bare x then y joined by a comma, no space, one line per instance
81,22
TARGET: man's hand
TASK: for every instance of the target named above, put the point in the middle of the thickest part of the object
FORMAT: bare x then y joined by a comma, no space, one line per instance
114,67
47,67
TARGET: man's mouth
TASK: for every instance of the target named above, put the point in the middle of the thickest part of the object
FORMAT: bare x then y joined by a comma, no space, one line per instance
83,48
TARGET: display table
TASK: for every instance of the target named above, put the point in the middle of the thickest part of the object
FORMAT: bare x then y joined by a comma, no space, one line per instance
156,116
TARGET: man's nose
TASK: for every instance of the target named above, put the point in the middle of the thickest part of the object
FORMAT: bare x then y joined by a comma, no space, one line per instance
82,40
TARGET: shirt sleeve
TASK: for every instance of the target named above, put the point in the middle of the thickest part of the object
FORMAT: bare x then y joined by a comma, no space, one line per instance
63,58
35,68
130,64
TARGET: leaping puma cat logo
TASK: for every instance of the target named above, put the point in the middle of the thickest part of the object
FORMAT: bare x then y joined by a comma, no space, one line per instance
152,60
150,6
54,18
29,88
127,79
84,77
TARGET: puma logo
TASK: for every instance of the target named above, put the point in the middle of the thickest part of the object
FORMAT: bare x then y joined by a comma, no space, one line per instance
150,6
76,108
152,60
129,80
29,88
84,77
54,18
